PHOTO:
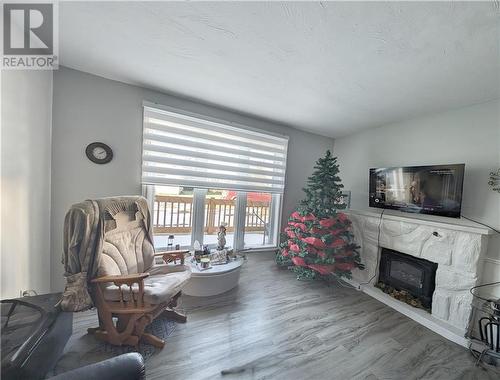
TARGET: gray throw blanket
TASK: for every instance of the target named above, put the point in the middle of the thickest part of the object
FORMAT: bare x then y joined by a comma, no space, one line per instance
84,229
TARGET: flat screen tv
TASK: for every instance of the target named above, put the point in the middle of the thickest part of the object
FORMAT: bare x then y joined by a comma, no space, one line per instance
435,190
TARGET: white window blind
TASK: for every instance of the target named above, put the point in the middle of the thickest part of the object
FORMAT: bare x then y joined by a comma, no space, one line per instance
183,149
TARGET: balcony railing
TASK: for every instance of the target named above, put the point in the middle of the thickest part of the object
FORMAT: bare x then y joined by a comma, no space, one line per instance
174,214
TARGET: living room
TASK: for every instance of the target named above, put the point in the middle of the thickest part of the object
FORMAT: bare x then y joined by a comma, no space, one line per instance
198,190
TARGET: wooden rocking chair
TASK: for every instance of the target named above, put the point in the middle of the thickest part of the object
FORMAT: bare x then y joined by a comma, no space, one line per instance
132,310
130,289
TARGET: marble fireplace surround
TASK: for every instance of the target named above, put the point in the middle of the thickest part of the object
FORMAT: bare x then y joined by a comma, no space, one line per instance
457,246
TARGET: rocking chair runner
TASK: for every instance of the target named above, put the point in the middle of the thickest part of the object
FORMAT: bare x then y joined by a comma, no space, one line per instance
127,285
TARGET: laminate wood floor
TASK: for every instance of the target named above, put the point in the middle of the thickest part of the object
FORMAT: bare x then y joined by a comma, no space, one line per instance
274,327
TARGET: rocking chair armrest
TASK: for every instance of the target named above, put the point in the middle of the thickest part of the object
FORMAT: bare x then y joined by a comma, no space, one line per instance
178,252
169,256
122,279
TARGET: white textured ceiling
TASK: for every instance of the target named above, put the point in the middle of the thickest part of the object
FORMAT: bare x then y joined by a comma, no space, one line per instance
330,68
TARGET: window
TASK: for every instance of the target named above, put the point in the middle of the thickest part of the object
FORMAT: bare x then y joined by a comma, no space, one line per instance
172,215
205,172
220,208
262,212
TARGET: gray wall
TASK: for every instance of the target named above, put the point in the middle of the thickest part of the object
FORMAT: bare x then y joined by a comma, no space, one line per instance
25,189
469,135
88,108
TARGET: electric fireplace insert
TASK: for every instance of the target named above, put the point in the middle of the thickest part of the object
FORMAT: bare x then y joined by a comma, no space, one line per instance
411,275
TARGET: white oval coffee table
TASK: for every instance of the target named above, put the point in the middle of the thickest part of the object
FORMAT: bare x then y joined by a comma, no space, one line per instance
216,280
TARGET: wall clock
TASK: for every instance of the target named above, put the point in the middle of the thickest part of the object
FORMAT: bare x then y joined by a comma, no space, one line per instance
99,153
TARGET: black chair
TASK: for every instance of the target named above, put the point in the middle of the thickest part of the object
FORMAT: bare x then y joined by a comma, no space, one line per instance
34,334
124,367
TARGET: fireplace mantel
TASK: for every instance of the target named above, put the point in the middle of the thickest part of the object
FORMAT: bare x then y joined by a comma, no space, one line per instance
456,245
457,224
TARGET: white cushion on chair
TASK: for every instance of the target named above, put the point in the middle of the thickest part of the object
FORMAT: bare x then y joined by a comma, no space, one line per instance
158,287
127,250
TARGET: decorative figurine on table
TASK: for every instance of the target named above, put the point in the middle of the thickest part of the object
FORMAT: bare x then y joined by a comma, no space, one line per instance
206,250
221,236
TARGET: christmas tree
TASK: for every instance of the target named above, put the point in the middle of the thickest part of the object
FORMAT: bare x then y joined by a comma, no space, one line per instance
318,241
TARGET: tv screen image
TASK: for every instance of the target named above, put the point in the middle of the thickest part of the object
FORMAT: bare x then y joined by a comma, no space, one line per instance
433,189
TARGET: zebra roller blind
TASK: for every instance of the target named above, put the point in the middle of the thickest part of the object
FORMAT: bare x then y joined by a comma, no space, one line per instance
183,149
